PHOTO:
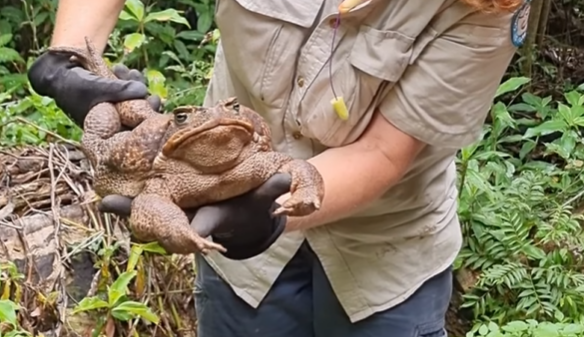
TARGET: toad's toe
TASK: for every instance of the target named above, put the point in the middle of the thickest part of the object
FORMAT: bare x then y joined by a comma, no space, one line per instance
205,246
301,203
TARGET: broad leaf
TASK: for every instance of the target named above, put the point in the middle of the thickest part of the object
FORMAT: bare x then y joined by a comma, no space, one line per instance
120,286
90,303
133,41
136,309
170,14
545,128
8,312
511,84
136,8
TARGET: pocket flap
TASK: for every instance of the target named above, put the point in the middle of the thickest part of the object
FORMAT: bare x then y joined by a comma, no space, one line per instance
298,12
383,54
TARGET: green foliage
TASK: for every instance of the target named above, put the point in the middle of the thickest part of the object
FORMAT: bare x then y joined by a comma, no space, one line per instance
118,305
517,205
175,56
9,325
33,119
527,328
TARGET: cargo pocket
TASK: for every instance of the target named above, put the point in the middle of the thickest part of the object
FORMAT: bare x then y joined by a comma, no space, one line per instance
438,333
434,329
377,57
200,299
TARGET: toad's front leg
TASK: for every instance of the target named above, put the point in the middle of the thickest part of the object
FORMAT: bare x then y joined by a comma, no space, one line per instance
306,189
157,218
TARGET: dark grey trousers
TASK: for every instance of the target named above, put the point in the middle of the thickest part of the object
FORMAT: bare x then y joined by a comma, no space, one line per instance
302,304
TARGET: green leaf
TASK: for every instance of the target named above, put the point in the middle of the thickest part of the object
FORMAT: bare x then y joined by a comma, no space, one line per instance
154,247
204,22
133,41
5,38
137,309
136,8
9,55
135,254
534,252
546,128
565,112
170,14
526,148
191,35
182,49
124,15
90,303
573,329
122,315
156,83
511,84
493,327
515,326
531,99
573,97
568,141
120,286
8,312
216,35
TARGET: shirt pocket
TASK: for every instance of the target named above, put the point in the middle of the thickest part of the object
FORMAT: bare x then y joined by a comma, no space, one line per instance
261,40
376,58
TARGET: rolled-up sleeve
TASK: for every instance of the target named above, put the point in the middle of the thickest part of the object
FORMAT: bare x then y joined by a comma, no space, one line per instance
444,96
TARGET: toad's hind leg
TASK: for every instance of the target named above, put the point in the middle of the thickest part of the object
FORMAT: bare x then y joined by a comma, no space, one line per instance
100,125
156,218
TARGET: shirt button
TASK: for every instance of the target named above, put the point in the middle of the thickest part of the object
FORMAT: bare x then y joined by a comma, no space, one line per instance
300,81
297,135
332,22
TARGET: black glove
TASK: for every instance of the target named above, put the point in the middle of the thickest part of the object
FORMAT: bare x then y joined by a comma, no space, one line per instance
76,90
244,225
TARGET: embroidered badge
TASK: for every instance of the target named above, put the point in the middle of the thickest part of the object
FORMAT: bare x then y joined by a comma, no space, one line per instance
519,24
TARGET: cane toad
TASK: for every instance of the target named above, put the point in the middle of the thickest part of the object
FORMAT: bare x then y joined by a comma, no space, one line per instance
213,154
122,160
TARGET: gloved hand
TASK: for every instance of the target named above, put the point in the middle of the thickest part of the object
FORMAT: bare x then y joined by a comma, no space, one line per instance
76,90
243,225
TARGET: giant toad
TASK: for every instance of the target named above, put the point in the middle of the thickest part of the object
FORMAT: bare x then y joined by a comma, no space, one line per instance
209,155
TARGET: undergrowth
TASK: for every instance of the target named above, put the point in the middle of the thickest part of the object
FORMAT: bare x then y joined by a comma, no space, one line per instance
521,185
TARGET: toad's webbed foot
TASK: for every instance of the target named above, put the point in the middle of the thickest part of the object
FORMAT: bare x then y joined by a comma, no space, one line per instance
155,218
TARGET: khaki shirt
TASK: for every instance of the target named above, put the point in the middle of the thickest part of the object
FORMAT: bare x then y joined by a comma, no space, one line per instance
432,68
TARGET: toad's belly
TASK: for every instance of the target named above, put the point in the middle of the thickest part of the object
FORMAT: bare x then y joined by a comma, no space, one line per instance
190,191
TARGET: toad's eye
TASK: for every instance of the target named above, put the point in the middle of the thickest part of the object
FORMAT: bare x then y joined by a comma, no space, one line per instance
235,107
180,117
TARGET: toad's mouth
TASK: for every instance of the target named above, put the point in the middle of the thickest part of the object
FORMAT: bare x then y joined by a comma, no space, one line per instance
181,136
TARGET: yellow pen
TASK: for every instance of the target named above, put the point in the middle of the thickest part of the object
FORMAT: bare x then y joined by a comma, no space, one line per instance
347,5
338,103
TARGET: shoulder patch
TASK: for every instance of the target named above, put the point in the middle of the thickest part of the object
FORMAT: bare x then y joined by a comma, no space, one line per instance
519,23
